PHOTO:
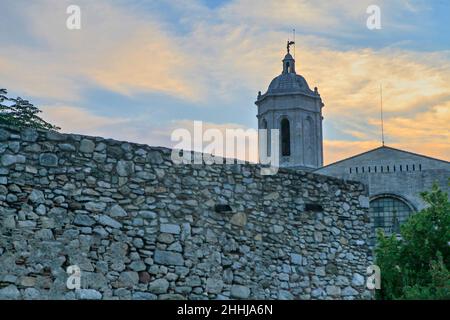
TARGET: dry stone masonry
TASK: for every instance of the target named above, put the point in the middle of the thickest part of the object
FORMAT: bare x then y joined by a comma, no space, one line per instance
140,227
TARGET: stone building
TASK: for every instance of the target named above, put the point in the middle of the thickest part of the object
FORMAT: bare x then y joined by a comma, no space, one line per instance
290,106
395,178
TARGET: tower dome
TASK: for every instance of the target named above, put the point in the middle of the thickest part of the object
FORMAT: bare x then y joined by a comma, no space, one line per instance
288,82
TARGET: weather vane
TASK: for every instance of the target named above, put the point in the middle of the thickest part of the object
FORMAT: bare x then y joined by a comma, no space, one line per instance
289,44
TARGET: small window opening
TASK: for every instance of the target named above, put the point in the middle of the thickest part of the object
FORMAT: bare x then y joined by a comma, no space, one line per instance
313,207
222,208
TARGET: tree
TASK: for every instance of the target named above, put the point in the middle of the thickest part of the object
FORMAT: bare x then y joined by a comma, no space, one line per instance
416,265
21,113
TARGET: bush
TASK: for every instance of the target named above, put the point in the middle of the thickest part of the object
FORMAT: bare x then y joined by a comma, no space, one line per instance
416,265
21,113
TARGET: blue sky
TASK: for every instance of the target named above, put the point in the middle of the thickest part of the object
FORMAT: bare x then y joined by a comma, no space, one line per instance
139,69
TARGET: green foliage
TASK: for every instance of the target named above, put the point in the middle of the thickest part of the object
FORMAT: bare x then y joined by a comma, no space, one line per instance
21,113
439,288
416,265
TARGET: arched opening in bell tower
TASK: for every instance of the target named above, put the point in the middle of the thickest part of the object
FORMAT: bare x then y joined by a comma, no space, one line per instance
285,138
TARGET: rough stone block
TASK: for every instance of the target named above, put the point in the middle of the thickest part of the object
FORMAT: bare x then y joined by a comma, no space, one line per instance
239,219
87,146
168,258
170,228
48,160
88,294
240,292
158,286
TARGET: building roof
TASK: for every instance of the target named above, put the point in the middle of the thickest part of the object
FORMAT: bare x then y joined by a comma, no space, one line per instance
288,83
380,148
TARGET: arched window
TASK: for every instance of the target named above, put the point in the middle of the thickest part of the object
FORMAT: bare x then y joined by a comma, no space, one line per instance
388,212
285,138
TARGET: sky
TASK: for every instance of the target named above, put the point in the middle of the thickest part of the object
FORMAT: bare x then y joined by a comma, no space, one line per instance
137,70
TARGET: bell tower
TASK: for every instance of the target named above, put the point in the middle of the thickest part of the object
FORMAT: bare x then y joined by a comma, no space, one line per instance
290,106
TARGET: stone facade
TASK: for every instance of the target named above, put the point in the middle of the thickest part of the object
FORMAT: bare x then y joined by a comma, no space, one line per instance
389,171
140,227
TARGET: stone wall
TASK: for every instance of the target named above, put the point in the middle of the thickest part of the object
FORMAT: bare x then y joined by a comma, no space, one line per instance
140,227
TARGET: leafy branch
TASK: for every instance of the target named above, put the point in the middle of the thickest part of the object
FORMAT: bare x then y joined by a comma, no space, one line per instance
20,113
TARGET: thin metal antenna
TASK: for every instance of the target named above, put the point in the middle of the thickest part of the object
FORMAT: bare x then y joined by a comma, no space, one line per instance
381,114
294,42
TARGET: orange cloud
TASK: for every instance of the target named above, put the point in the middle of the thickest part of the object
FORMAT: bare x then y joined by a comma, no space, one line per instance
116,49
332,17
416,98
78,120
146,62
335,150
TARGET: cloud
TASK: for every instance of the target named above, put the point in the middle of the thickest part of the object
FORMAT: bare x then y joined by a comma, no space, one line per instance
123,49
114,49
425,133
309,16
321,17
79,120
416,97
335,150
20,72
